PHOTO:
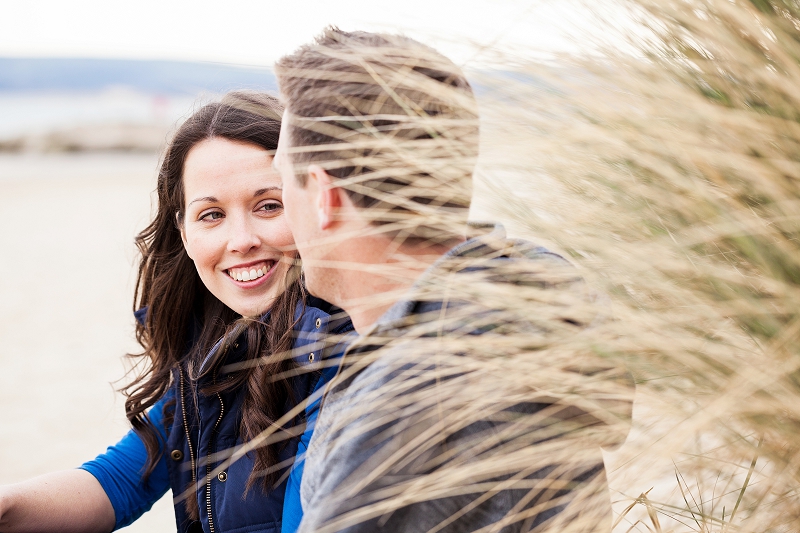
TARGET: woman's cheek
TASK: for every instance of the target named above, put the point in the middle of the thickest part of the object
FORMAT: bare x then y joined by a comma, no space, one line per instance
203,250
286,240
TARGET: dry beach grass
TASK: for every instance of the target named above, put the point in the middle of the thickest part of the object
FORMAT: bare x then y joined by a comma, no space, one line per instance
671,180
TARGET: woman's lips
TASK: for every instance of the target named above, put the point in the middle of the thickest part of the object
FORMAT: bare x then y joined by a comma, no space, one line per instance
251,272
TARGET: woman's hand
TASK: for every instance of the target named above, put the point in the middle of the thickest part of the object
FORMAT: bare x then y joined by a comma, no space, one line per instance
68,501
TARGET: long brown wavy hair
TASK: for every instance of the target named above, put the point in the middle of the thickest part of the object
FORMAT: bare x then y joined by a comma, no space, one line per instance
183,319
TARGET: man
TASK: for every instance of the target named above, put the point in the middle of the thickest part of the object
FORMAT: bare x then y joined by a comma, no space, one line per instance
468,403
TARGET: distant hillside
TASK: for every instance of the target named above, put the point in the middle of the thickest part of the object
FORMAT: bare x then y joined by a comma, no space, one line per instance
163,77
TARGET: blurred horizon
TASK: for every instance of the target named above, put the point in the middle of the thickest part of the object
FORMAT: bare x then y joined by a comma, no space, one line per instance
83,74
90,104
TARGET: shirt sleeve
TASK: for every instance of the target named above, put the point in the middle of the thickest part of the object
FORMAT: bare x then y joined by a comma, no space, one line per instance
119,471
292,505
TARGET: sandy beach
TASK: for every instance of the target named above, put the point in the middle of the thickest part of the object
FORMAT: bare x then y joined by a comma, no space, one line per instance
66,286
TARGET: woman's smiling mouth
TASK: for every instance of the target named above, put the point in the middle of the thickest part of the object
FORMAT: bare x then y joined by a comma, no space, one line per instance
251,272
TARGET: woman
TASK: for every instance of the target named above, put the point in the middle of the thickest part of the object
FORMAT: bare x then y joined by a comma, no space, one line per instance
232,345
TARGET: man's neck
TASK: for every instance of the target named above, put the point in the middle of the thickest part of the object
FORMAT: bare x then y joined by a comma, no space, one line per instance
383,277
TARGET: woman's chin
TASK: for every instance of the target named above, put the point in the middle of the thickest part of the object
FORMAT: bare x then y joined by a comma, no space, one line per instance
255,306
251,311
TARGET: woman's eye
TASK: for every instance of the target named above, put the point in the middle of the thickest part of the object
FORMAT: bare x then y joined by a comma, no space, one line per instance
270,207
211,215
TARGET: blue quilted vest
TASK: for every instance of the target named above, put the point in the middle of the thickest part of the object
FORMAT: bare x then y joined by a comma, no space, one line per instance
205,426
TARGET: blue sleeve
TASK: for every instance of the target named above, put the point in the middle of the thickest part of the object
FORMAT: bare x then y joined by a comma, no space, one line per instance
292,506
119,471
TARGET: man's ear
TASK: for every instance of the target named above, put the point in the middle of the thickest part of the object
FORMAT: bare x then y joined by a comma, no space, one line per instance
329,197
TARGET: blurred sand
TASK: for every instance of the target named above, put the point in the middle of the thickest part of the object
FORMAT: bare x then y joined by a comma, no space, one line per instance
114,137
66,284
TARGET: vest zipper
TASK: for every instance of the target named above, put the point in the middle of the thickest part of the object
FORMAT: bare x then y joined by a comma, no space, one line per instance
188,437
208,462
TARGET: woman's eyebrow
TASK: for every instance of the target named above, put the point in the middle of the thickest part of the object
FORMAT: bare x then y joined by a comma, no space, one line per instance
259,192
203,199
213,199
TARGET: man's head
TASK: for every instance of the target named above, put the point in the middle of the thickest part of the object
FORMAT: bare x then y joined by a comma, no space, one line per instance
382,127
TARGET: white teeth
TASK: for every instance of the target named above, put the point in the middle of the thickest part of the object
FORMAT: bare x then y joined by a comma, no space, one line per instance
248,275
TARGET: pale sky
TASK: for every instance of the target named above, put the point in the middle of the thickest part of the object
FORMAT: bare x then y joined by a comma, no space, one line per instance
256,32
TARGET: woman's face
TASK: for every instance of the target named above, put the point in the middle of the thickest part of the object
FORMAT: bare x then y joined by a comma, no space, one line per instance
234,228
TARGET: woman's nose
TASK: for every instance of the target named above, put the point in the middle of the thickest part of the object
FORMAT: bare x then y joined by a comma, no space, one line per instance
242,237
